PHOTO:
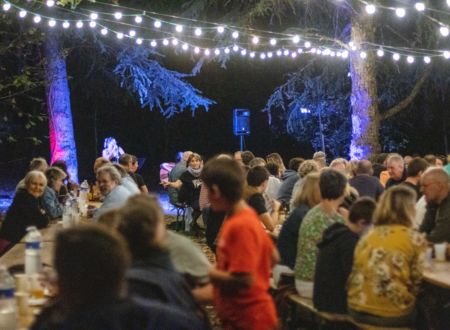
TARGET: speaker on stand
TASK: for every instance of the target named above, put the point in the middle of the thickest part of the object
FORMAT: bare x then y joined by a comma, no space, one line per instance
241,124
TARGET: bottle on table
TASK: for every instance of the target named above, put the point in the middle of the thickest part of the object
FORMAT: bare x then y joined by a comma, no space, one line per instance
67,214
33,241
8,307
83,197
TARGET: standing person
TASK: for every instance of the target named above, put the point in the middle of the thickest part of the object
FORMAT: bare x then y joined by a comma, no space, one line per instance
245,253
388,264
335,258
25,210
396,169
332,189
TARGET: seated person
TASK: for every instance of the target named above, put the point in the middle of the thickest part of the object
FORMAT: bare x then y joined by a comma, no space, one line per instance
332,185
50,202
335,258
307,197
126,180
152,274
90,288
289,178
115,195
257,181
26,210
68,185
130,164
36,164
388,264
274,183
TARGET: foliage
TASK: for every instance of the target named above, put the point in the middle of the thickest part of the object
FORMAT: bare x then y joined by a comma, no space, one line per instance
21,82
156,86
317,95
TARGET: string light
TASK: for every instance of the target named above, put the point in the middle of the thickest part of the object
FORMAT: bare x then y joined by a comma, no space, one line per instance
6,6
235,35
66,25
255,40
262,56
252,54
295,39
37,19
93,16
217,51
52,23
444,31
427,59
446,54
279,53
307,44
198,32
92,24
286,52
370,9
269,54
104,31
79,24
243,52
139,41
118,15
185,46
400,12
119,35
132,33
380,52
273,41
235,48
138,19
226,50
448,3
396,56
207,52
220,29
410,59
157,24
165,42
363,55
175,41
179,28
50,3
22,13
153,43
196,50
420,6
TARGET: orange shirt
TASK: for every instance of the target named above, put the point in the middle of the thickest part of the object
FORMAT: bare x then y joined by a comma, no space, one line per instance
244,247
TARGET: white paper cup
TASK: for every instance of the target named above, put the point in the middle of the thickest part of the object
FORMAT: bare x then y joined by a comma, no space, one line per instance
22,302
22,282
440,251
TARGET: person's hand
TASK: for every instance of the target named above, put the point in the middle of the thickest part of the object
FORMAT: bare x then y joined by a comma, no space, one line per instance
344,212
275,205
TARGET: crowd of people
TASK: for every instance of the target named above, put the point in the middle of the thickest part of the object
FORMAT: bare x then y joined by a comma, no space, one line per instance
353,235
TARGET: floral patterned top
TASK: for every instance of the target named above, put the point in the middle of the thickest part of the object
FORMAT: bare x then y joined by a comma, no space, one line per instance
310,233
387,271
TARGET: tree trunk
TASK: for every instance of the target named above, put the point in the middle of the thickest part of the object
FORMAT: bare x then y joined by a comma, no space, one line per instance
62,139
365,117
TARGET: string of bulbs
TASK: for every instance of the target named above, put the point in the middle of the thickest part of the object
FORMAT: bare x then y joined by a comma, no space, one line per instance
172,34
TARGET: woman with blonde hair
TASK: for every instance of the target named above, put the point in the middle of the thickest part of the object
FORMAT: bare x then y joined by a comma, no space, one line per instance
306,197
387,269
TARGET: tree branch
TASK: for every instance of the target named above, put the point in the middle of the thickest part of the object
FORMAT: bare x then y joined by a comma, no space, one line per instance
407,100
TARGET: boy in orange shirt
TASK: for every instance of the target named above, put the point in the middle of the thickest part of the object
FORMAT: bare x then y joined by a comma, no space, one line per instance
245,253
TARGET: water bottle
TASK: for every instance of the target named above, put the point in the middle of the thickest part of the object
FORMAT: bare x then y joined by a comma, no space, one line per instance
8,308
83,197
33,240
67,214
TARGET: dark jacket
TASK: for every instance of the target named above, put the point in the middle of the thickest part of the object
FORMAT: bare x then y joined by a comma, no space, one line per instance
155,278
25,210
333,266
391,182
288,239
289,178
367,185
117,315
436,223
190,190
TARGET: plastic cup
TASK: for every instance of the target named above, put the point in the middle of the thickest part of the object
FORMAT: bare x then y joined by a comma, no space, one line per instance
22,282
22,302
36,288
440,251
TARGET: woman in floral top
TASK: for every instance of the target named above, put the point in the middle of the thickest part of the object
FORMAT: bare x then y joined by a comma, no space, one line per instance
387,268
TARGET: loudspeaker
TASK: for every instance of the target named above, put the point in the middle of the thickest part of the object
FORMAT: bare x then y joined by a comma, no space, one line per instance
241,122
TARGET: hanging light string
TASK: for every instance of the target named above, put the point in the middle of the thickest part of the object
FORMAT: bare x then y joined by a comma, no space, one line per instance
296,45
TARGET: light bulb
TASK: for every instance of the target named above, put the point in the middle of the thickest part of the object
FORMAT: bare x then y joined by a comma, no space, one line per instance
448,3
79,24
175,41
139,41
396,57
273,42
255,40
427,59
345,54
51,23
235,35
338,54
217,51
269,54
279,52
118,15
226,50
235,48
65,25
262,56
93,16
37,19
400,12
447,54
165,42
179,28
207,52
332,54
380,52
295,39
153,43
50,3
370,9
319,52
252,54
196,50
198,32
307,44
92,24
300,50
286,52
157,24
326,52
220,29
104,31
444,31
313,50
420,6
7,6
119,35
185,47
243,52
132,33
22,13
410,59
138,19
294,55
